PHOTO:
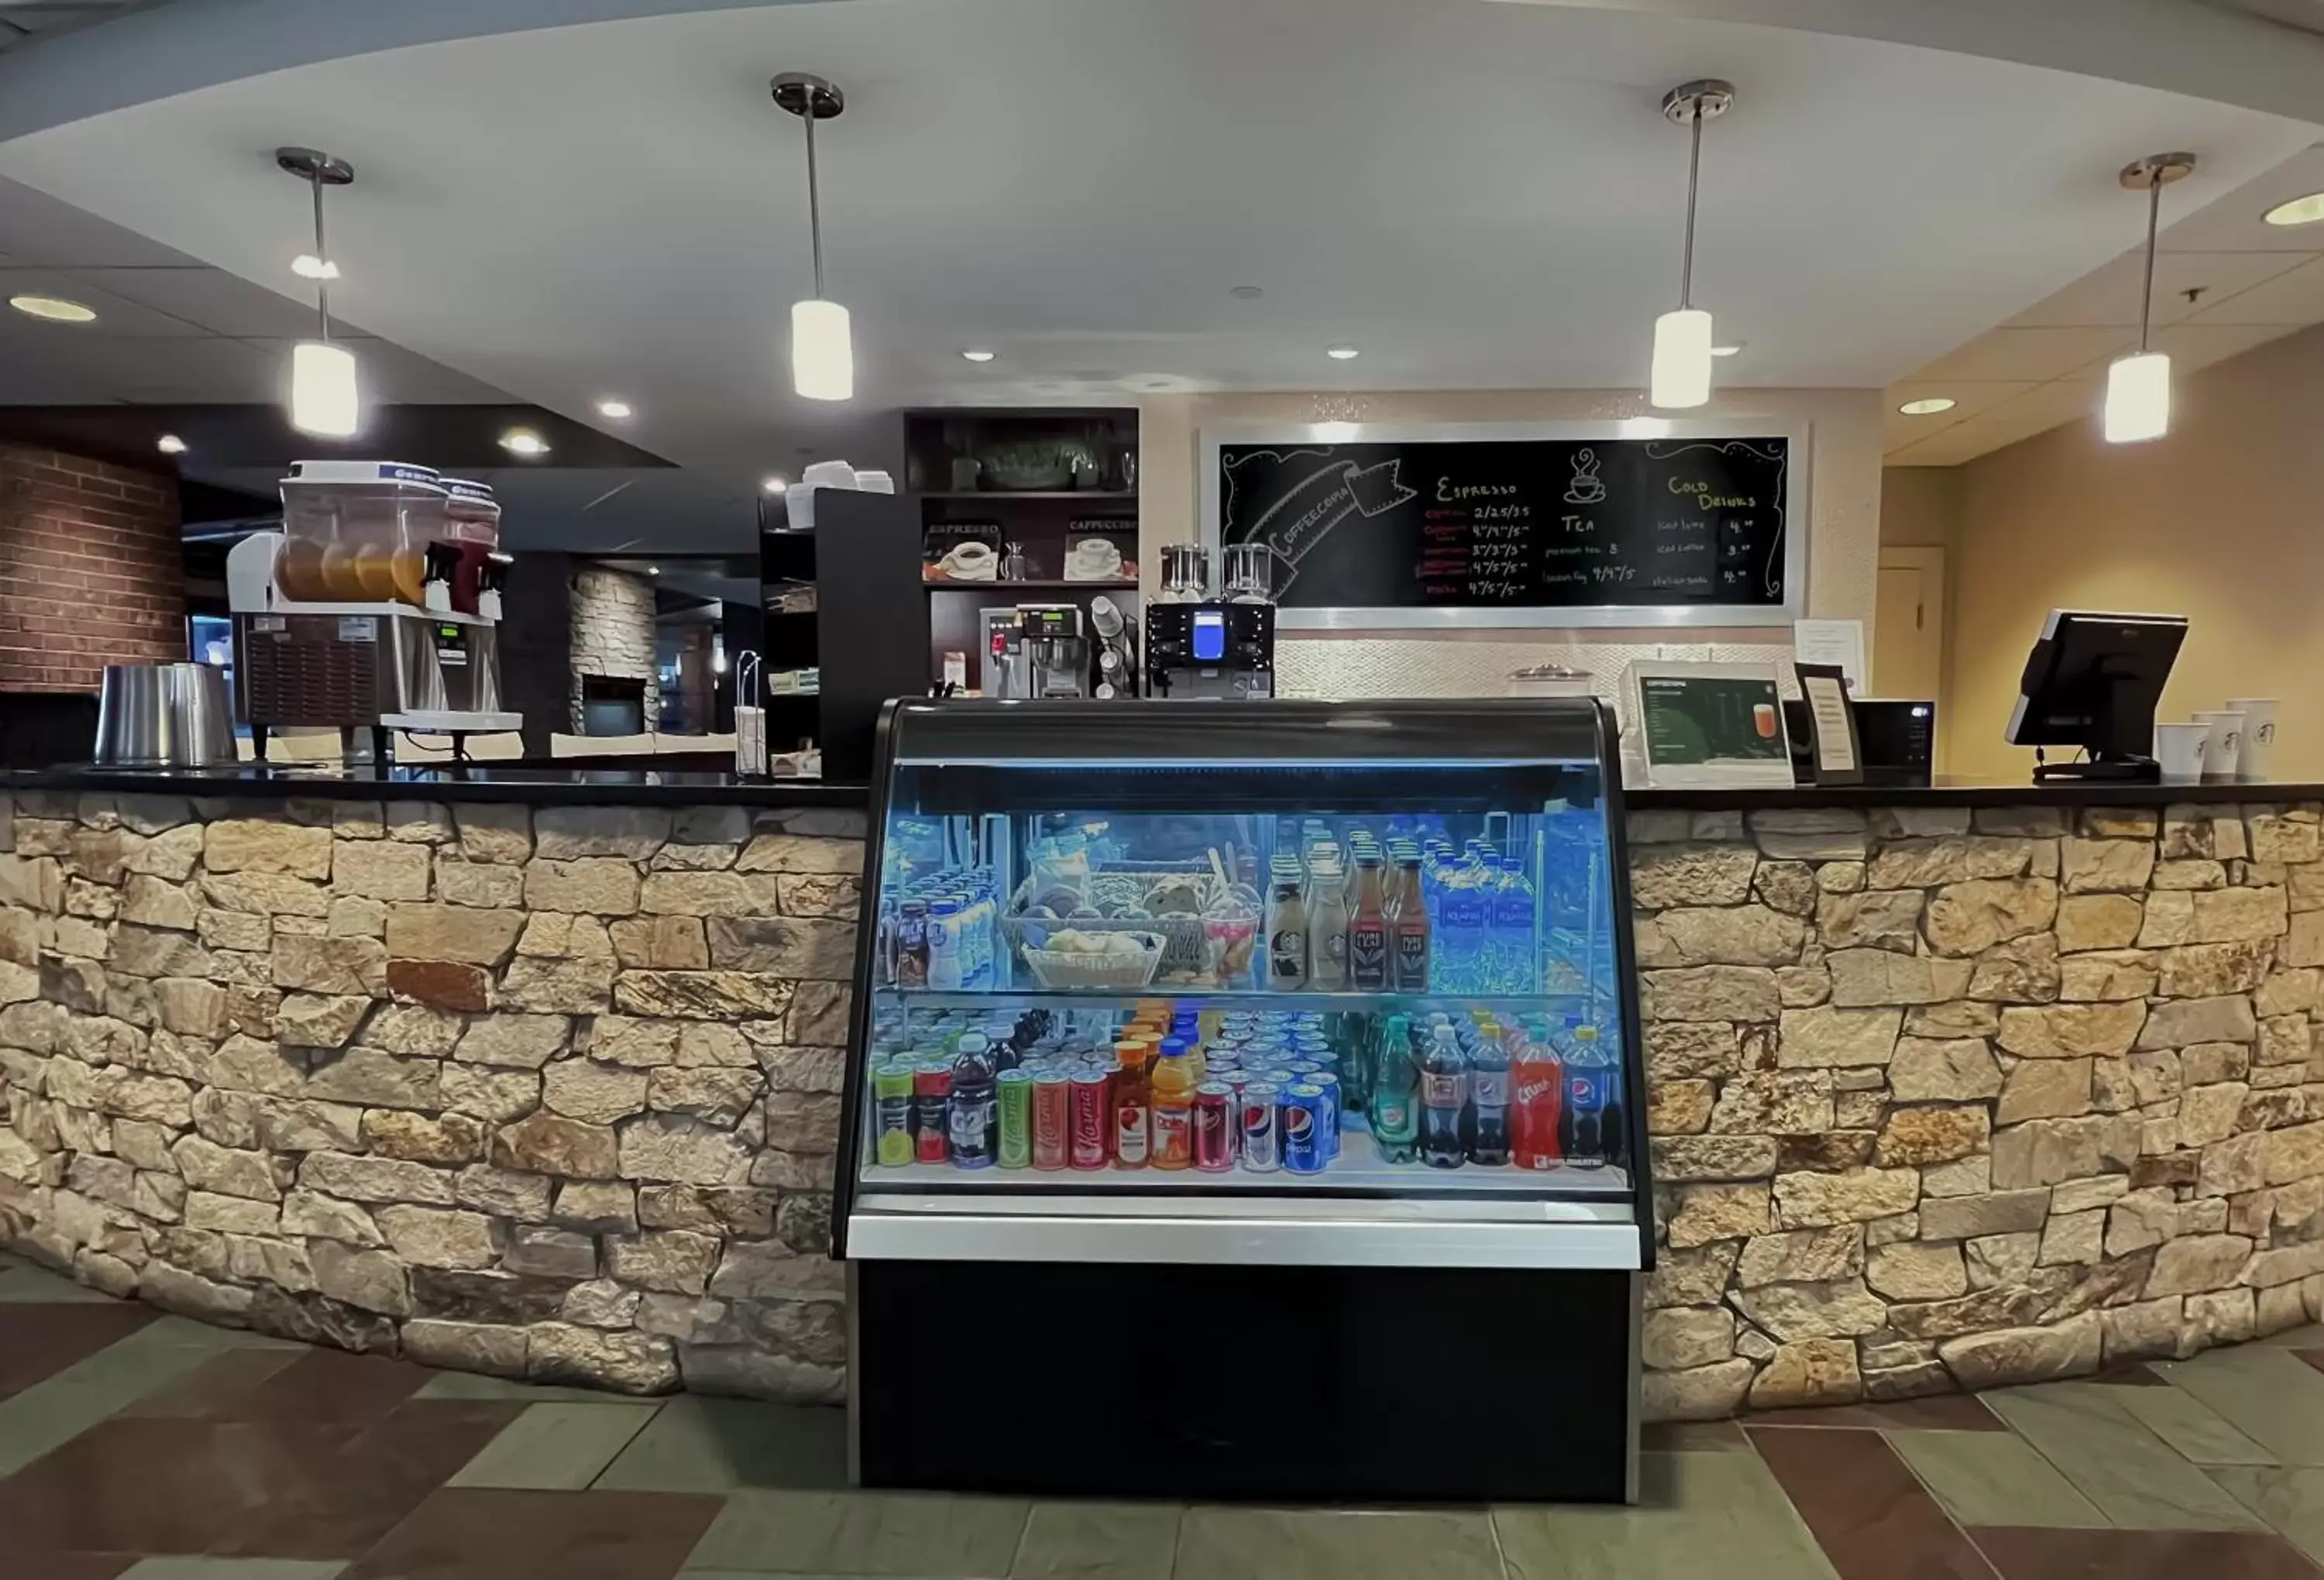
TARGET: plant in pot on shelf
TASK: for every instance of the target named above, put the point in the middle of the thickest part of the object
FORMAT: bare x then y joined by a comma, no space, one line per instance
1047,464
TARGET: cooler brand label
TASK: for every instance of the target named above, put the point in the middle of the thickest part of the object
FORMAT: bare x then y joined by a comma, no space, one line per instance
1289,947
358,628
1490,1088
1335,944
972,1127
1532,1088
1130,1133
1412,957
1439,1089
1463,911
1367,954
1584,1092
1393,1114
1172,1132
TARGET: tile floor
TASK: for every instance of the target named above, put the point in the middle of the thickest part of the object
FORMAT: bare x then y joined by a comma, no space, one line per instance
140,1446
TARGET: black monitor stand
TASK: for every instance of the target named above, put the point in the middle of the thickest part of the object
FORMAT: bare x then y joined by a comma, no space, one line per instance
2104,768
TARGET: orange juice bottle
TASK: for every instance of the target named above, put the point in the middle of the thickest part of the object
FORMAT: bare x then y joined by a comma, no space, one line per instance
1131,1103
1173,1100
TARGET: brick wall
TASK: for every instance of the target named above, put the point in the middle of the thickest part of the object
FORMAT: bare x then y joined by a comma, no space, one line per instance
91,571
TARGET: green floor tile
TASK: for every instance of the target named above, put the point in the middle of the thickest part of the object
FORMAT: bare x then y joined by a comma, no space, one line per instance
1994,1478
2291,1500
1270,1544
57,1410
555,1447
726,1445
2138,1481
1098,1541
477,1385
185,1333
2307,1335
1699,1514
2270,1395
863,1533
230,1569
2191,1426
39,1286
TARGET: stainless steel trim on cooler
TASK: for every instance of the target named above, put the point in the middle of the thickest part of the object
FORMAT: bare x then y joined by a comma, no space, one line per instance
1605,1241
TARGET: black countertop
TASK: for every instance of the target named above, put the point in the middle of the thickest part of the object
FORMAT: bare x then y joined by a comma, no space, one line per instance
591,787
1964,792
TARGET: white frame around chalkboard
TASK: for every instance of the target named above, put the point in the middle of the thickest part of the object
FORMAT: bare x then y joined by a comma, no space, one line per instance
1796,470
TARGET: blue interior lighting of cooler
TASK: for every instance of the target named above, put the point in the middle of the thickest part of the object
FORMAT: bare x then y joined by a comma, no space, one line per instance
1210,637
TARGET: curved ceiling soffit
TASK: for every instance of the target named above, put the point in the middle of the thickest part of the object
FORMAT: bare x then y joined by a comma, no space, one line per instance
2203,51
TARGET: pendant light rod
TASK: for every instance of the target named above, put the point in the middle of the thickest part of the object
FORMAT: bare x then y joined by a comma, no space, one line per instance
2153,173
1691,106
318,170
811,98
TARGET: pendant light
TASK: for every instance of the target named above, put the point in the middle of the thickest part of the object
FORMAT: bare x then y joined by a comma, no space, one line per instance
324,398
822,354
1682,366
2138,387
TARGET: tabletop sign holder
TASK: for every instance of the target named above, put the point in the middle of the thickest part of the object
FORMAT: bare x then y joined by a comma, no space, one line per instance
1708,726
1834,756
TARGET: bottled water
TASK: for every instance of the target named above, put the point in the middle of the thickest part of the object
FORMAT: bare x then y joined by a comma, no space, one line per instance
1513,950
1461,919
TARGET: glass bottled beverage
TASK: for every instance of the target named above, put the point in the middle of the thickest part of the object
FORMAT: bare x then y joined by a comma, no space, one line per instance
912,944
1370,958
1410,925
1443,1101
1327,926
1287,932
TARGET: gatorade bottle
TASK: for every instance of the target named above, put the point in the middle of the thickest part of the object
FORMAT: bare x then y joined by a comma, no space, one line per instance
974,1117
1174,1081
1132,1105
1395,1093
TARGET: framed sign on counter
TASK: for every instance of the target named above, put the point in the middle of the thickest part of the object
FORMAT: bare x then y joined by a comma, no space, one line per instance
1393,526
1708,726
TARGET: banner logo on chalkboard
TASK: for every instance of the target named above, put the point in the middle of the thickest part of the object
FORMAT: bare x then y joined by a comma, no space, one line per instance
1305,515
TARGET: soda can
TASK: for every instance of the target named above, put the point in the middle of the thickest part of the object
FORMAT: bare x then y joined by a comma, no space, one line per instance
1215,1125
1305,1146
1301,1069
932,1108
1091,1121
1278,1077
1263,1132
1328,1085
891,1089
1053,1124
1015,1119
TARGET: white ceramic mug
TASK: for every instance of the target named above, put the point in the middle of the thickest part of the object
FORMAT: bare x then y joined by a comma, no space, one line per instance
2257,759
2178,748
2224,749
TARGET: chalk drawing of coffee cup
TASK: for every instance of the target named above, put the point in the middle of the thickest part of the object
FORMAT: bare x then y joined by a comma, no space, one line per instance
1585,487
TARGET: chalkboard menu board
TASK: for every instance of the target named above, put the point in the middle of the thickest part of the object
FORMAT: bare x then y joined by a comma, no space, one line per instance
1522,527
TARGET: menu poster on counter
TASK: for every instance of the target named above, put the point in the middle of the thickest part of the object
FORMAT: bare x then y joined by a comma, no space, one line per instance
1833,751
1710,726
1513,525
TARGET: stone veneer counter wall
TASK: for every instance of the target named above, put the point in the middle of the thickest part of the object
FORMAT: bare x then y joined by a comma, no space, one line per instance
1942,1095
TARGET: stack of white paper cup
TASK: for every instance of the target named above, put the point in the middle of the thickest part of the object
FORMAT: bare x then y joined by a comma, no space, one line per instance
2257,760
2224,748
2179,749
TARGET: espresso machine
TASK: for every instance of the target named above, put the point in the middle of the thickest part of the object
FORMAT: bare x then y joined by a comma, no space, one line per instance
1200,645
356,616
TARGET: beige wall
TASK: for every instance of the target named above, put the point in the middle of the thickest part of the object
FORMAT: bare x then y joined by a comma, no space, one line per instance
1920,508
1843,529
2218,522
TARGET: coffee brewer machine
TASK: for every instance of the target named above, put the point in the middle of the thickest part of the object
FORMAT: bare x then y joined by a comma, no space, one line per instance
1036,651
376,607
1200,645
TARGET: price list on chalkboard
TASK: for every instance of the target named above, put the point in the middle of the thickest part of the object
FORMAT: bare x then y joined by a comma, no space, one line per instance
1514,523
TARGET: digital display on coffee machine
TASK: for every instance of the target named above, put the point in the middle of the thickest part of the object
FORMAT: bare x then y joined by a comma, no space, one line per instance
1210,636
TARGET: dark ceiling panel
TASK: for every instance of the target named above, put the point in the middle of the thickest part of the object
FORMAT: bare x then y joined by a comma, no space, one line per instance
452,439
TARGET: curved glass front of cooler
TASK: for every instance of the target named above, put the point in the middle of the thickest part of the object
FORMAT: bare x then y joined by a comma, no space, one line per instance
1358,962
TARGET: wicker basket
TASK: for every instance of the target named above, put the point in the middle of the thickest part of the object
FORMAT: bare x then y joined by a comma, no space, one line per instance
1114,971
1181,936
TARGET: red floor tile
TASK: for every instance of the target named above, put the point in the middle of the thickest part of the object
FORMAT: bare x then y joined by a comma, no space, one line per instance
329,1388
2023,1553
37,1342
1867,1510
1944,1413
472,1533
217,1389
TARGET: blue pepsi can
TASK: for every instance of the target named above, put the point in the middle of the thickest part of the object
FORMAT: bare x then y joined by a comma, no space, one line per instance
1328,1085
1306,1136
1277,1076
1301,1067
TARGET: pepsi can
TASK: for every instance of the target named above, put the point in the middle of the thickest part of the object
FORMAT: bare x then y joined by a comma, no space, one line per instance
1328,1085
1262,1129
1301,1069
1306,1141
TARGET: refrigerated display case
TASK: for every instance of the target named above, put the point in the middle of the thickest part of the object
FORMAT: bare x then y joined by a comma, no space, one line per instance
1245,1099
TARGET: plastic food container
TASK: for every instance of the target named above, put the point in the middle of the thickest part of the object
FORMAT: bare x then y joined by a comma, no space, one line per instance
358,531
471,514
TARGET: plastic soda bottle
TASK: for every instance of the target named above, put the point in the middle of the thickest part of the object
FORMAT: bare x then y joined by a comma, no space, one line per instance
975,1105
1132,1104
1443,1101
1174,1083
1590,1137
1537,1104
1488,1096
1395,1094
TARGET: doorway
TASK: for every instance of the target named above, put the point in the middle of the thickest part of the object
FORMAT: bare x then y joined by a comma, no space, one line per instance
1908,630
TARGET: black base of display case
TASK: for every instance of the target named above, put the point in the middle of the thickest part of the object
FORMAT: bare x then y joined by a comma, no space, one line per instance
1331,1384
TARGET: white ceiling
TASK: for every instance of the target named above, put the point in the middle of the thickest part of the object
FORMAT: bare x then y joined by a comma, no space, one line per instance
25,21
2046,365
1480,196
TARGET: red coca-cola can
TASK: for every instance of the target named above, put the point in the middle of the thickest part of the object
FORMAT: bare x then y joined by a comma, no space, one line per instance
1215,1126
1091,1121
1053,1121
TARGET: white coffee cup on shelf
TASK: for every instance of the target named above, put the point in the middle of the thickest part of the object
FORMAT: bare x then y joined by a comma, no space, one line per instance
2179,749
2224,749
2257,760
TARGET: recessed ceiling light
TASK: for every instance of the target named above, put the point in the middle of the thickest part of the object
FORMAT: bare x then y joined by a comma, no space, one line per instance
307,266
776,484
616,410
56,310
977,356
171,445
1929,406
2305,210
1727,350
1249,293
1342,352
524,441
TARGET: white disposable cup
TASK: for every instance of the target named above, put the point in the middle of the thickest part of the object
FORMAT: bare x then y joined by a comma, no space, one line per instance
2178,748
2257,760
2224,749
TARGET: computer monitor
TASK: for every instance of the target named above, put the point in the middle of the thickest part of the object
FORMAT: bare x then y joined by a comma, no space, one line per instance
2093,681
